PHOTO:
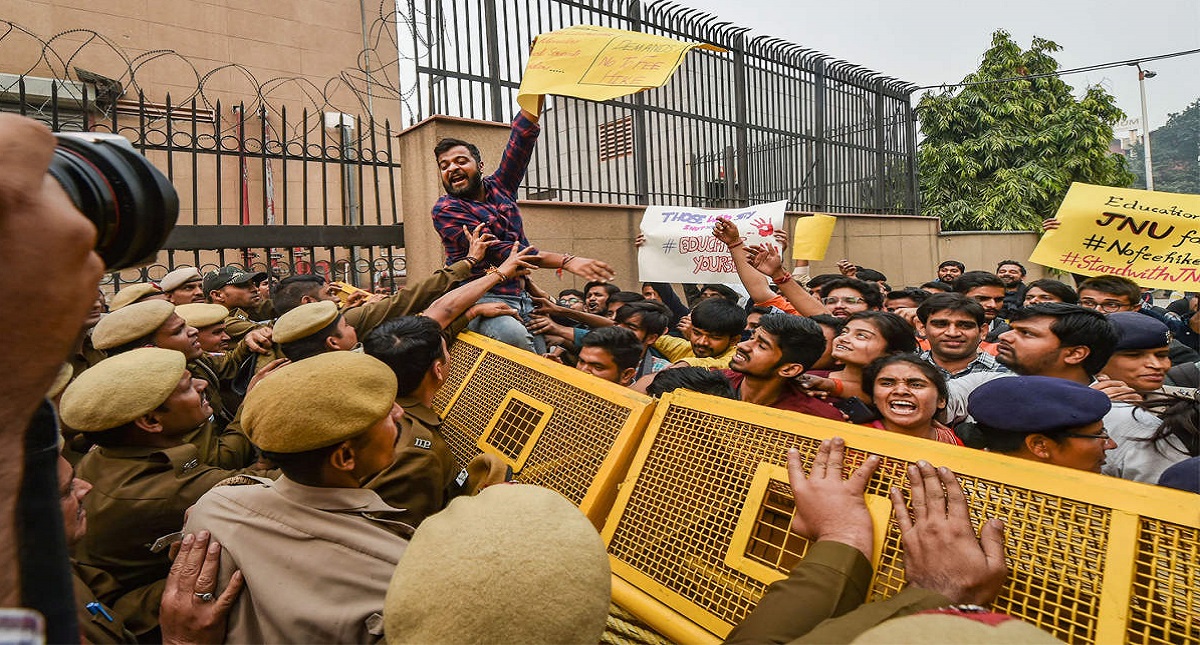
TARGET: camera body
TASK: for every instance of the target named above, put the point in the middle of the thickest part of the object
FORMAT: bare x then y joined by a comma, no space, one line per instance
132,204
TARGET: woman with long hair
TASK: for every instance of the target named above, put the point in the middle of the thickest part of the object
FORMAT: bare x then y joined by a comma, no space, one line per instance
1143,456
866,336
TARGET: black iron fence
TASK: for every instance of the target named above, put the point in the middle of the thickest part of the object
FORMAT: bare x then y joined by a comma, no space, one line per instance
309,190
765,121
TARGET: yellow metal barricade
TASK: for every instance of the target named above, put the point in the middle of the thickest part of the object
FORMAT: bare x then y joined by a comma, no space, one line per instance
700,528
556,426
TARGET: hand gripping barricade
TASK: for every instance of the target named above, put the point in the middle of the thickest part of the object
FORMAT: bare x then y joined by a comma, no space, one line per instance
700,527
700,504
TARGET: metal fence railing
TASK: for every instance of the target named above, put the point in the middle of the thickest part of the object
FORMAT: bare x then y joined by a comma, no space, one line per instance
260,186
764,121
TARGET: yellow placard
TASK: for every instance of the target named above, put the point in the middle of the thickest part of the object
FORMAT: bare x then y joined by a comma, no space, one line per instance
598,64
811,237
1150,237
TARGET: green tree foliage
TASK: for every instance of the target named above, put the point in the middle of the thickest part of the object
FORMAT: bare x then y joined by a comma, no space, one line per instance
1175,148
1000,156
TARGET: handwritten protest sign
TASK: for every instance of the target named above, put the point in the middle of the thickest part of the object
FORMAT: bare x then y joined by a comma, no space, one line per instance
680,246
599,63
811,238
1152,238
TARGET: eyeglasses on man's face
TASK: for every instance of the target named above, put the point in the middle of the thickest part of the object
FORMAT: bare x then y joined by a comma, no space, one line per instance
1106,306
850,300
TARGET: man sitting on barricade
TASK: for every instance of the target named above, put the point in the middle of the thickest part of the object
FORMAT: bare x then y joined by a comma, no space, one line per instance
472,200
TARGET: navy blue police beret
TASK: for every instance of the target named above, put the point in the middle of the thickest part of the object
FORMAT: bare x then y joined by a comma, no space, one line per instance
1184,475
1027,404
1139,331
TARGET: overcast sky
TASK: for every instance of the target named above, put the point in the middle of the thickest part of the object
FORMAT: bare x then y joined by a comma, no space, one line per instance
928,42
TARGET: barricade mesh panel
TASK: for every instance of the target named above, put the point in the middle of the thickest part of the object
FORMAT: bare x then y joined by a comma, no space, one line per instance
1166,585
568,454
462,358
514,428
771,541
679,521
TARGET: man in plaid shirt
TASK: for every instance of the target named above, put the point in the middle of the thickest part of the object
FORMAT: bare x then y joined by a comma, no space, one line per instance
487,206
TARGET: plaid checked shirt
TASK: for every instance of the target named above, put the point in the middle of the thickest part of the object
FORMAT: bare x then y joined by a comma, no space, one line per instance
984,362
498,208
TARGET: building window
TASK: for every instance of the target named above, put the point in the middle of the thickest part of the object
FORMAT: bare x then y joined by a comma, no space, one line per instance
616,139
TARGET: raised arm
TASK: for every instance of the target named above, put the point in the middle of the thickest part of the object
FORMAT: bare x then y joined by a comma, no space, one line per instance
547,307
452,305
755,283
765,259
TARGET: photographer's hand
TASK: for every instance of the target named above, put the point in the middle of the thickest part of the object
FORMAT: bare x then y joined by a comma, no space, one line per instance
37,222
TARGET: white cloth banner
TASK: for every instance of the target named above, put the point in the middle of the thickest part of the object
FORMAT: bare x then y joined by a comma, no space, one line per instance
680,246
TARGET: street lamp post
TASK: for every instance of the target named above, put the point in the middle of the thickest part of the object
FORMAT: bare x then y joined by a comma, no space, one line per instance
1142,76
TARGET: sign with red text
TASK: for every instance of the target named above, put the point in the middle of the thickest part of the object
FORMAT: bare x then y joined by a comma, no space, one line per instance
680,246
599,63
1150,237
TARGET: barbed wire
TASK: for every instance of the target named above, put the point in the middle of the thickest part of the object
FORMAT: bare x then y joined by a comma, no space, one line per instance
376,75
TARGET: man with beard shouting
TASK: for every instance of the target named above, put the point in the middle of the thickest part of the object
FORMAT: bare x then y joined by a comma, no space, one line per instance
490,204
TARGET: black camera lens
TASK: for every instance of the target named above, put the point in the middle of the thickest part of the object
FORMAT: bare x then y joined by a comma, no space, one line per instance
132,204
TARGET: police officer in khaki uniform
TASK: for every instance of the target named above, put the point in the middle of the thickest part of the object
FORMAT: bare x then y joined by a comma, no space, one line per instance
949,570
183,286
84,356
315,549
235,289
209,321
564,598
95,590
156,324
425,475
137,407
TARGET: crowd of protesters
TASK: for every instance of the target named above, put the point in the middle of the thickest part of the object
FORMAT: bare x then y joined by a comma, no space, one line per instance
244,459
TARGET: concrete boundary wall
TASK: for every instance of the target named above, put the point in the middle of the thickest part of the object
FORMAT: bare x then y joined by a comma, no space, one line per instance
906,249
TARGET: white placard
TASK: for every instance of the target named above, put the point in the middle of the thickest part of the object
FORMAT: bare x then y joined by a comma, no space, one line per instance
680,246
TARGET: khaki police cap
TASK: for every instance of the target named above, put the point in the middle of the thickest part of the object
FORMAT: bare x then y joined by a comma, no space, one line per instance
122,388
318,402
130,323
65,374
200,315
304,321
538,568
132,294
179,277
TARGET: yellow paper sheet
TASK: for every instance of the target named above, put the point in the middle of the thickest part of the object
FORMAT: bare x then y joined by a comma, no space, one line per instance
598,64
1152,238
811,237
